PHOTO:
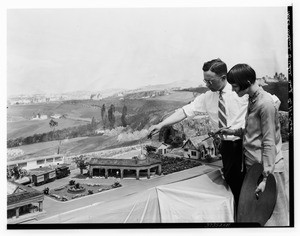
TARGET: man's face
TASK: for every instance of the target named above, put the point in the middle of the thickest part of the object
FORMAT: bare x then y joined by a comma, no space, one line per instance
236,88
213,81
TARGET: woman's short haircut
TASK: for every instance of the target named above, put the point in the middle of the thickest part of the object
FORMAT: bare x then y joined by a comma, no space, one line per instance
241,75
216,65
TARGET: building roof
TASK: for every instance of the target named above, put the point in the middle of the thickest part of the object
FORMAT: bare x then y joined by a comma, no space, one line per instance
164,145
197,140
17,193
122,162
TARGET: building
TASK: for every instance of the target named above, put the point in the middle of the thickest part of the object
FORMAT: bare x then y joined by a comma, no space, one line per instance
22,202
37,162
96,165
196,148
163,148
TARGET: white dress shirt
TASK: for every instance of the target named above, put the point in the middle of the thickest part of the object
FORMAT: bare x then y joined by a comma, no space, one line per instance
236,107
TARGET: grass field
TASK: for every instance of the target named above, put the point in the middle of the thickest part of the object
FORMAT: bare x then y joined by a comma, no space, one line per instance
30,127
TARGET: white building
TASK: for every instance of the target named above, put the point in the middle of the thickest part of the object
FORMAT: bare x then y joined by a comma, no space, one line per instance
196,148
163,148
37,162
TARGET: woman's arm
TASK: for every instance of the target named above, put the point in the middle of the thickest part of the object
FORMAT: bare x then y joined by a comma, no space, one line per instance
268,131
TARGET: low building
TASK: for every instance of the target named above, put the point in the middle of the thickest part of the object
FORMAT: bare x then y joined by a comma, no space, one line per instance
22,201
37,162
163,148
196,148
98,164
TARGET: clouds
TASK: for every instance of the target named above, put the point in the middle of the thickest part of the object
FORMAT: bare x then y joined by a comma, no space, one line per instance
79,49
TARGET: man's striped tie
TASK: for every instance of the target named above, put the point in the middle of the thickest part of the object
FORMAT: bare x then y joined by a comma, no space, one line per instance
222,112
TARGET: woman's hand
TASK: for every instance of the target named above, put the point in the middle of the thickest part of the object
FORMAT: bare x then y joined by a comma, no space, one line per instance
261,187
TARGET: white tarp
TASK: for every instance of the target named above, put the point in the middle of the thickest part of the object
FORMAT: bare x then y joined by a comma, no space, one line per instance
203,198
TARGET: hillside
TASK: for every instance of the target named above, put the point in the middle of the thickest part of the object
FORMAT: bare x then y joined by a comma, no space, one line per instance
78,112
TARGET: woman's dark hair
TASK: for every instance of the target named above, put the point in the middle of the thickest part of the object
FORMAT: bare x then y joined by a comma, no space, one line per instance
217,66
242,75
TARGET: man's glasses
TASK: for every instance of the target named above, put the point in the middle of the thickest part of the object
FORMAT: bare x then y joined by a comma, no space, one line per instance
210,82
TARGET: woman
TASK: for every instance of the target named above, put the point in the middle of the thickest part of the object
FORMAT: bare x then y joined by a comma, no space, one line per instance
261,136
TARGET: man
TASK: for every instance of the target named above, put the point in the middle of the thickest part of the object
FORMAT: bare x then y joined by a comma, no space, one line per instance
225,109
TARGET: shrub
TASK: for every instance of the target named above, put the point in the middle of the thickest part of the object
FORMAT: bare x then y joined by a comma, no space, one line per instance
64,198
284,123
46,191
90,192
72,182
116,184
150,149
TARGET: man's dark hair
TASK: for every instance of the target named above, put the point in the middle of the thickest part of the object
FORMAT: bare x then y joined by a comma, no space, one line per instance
216,65
242,75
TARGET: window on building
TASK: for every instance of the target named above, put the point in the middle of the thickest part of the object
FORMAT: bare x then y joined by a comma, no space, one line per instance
58,158
49,160
194,153
21,165
160,151
40,162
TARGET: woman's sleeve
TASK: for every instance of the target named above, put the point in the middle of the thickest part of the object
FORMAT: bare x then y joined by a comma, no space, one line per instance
268,128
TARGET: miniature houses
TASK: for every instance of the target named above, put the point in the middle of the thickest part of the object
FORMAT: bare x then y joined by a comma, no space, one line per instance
163,148
196,148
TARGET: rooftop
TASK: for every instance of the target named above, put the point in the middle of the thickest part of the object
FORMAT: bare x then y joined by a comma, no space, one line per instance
123,162
17,193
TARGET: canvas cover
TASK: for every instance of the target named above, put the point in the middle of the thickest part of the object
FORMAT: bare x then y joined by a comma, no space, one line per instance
204,198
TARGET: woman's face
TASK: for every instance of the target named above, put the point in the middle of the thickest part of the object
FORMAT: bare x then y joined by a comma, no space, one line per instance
236,88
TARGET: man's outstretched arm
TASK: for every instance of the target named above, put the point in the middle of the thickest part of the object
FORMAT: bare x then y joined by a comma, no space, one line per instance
176,117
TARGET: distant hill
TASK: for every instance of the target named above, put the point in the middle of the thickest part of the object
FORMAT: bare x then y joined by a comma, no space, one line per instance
174,85
196,89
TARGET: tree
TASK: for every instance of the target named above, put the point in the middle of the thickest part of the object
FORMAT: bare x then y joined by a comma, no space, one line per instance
111,116
150,149
123,117
93,122
81,162
17,172
52,124
102,112
103,116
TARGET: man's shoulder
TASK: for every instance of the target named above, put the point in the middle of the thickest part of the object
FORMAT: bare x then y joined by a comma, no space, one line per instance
233,95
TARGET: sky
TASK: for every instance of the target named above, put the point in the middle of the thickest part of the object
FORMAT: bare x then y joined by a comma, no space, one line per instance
64,50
